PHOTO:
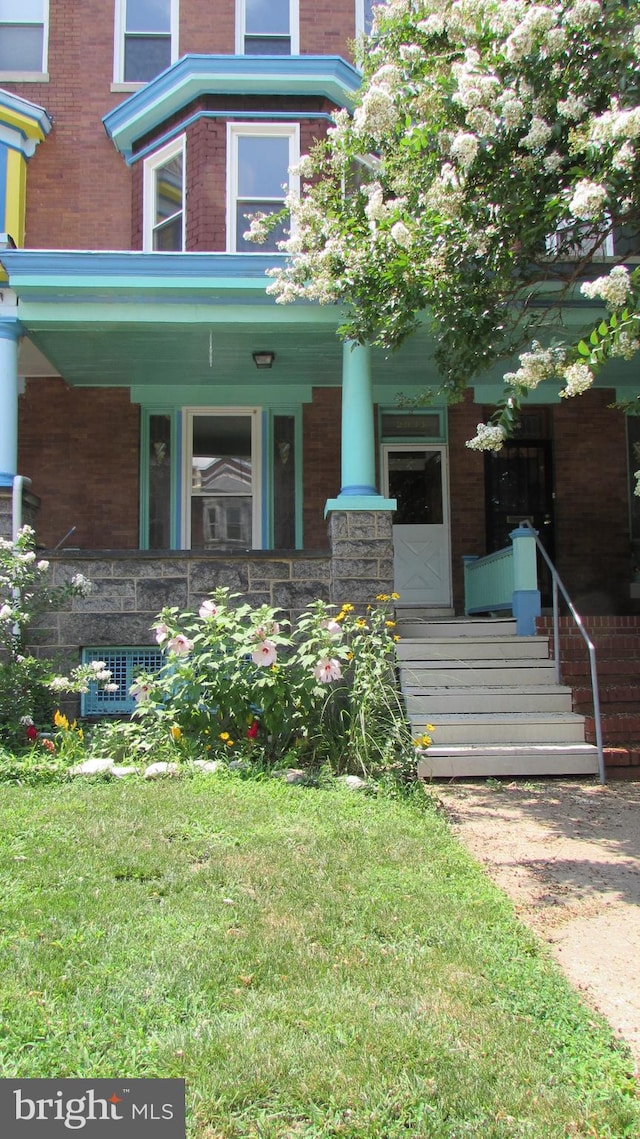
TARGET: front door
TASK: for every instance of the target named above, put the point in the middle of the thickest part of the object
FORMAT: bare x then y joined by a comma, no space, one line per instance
416,476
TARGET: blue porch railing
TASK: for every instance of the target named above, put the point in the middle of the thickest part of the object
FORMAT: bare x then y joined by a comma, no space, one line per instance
506,581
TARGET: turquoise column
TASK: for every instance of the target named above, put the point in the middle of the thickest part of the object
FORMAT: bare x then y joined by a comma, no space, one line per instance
358,490
10,332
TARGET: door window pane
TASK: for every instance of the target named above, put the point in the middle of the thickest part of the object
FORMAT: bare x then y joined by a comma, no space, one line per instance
221,482
415,481
159,482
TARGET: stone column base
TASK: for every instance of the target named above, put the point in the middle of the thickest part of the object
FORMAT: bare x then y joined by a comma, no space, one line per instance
361,543
30,507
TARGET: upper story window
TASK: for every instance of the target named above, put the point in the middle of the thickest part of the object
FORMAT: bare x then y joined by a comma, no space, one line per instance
164,199
267,27
259,157
364,15
23,35
580,242
146,39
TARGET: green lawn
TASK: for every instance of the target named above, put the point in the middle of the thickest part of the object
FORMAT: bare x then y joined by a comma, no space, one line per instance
313,962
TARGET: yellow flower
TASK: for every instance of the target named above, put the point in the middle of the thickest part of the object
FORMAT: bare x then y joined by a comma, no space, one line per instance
60,720
390,624
224,736
396,638
361,623
347,607
383,597
80,733
395,596
229,742
176,732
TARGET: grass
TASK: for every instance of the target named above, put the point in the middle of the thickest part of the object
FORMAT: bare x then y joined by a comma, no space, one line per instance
313,962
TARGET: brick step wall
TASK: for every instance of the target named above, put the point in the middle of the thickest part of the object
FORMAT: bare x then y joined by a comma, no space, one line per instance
617,642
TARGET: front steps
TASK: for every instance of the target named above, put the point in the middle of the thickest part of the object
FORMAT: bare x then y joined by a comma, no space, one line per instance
492,699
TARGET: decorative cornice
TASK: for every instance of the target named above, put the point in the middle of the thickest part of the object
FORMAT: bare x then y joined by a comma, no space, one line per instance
22,124
194,75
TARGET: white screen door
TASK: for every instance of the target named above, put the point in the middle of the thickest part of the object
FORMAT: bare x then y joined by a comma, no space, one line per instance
416,476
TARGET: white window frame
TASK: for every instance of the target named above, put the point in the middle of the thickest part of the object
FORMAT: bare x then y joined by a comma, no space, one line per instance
604,252
188,416
120,24
294,26
360,28
238,130
40,72
151,166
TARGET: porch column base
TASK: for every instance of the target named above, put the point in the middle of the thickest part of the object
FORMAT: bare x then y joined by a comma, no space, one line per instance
359,502
361,544
526,607
30,506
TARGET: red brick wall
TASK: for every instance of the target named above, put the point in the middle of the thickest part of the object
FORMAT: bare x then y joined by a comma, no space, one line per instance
466,487
327,27
321,465
80,447
591,504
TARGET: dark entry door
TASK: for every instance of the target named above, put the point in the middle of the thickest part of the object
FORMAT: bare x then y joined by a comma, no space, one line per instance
519,485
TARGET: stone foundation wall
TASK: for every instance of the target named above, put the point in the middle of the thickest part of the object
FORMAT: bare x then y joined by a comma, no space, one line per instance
130,589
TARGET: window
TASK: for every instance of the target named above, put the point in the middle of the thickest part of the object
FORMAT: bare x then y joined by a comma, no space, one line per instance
267,27
164,196
259,157
146,39
364,16
23,35
222,450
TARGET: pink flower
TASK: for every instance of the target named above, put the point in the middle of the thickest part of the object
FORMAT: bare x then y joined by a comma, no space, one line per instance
265,654
162,633
252,731
332,626
32,733
208,609
180,645
327,670
140,692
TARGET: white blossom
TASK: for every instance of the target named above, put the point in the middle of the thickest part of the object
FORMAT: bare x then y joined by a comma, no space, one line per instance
489,437
588,200
377,114
535,366
537,136
401,235
578,378
464,149
615,288
571,108
583,14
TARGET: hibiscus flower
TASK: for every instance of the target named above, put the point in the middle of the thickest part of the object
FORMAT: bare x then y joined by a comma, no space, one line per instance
265,654
327,670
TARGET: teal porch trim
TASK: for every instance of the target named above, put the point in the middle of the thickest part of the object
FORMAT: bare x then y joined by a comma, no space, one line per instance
329,77
10,332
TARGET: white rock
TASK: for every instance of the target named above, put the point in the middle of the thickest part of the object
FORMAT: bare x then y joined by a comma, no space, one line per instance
353,782
291,775
93,767
154,770
120,772
238,765
206,764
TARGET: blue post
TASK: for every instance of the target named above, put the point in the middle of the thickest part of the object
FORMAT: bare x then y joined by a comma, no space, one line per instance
526,595
9,337
358,466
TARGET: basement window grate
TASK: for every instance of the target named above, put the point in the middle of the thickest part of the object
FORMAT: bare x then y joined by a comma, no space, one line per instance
124,664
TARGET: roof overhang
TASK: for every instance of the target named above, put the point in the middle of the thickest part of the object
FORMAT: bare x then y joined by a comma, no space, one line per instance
192,76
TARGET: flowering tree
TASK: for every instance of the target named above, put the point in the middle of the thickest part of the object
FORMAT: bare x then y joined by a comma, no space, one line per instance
494,150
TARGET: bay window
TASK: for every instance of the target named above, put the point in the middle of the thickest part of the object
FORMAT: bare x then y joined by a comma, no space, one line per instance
259,157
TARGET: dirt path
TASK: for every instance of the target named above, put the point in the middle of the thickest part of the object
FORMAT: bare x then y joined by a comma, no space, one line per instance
568,855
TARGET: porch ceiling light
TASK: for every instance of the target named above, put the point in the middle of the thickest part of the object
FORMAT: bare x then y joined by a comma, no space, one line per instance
263,359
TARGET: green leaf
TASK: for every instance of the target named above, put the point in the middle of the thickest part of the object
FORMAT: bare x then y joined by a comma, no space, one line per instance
583,348
603,328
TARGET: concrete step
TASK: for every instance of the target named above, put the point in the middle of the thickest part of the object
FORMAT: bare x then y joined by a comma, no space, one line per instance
500,728
519,761
487,699
479,649
464,674
456,628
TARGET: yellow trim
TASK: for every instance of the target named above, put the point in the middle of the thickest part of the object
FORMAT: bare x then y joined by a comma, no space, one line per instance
16,196
23,123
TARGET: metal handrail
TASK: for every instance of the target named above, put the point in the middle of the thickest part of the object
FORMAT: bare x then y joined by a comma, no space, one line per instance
558,585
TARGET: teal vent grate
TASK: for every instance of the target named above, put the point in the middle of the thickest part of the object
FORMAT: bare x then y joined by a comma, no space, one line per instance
124,664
